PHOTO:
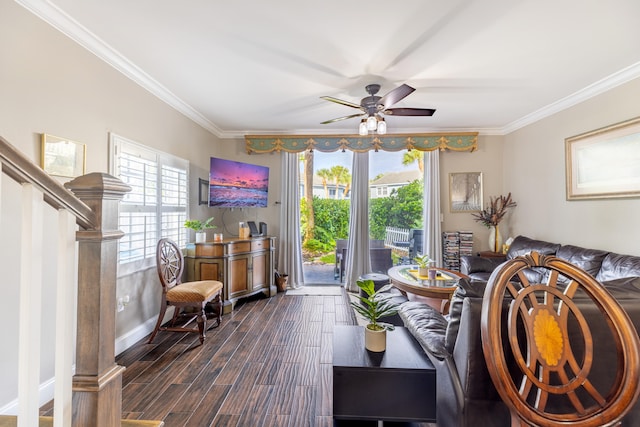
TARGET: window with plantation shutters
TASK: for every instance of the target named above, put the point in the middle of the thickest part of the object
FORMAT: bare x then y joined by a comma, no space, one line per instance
157,205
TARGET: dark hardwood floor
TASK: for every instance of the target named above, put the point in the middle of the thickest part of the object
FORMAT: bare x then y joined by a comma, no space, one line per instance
268,364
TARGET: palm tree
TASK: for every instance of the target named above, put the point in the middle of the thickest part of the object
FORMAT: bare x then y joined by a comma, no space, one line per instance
414,156
308,194
338,173
346,180
325,175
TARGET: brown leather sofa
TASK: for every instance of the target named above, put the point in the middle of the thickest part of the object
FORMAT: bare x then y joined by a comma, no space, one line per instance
466,395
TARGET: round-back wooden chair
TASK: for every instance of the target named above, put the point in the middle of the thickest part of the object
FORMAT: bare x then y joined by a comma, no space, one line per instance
533,359
188,295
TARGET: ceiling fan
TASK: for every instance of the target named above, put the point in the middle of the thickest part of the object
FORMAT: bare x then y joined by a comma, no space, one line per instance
373,106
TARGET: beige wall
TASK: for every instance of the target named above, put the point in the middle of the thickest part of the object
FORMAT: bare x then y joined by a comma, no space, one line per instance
534,171
49,84
486,159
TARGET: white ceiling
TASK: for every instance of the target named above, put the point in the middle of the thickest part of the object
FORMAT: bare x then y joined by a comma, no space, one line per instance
259,67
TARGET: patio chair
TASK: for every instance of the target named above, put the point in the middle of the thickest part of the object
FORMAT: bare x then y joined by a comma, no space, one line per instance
416,243
381,260
339,267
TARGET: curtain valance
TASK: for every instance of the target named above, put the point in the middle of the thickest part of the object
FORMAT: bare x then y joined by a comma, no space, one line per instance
459,141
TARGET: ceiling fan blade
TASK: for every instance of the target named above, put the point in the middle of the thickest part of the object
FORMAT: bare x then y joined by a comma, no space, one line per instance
395,95
340,101
342,118
410,111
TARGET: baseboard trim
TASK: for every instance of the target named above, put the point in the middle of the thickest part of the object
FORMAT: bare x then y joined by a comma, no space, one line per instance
47,388
45,394
133,336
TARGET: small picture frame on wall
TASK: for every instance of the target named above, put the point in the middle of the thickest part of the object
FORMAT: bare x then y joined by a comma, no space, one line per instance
604,163
62,157
203,191
465,192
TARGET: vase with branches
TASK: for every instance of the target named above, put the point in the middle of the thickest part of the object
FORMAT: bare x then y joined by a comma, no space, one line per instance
491,216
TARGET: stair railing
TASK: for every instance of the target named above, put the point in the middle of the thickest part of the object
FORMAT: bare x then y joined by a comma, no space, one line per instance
87,213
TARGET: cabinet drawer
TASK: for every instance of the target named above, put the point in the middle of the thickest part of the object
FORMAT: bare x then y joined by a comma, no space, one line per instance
259,244
209,249
239,247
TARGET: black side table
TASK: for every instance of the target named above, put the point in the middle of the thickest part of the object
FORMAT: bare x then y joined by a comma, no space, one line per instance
396,385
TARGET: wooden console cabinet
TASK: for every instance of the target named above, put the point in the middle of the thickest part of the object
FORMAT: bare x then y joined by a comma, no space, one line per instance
244,266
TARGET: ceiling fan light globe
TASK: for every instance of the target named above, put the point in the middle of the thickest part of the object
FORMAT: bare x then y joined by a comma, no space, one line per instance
362,129
372,123
382,127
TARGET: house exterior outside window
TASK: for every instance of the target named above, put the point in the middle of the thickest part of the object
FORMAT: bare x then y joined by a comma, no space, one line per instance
387,183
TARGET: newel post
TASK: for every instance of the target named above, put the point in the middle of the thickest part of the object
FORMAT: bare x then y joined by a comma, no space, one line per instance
97,384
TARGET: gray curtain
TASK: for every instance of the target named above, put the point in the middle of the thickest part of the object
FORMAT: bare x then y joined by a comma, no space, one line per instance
290,243
358,261
431,208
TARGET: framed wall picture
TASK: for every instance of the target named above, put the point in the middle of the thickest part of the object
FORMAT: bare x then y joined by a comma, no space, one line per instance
203,191
62,157
465,192
604,163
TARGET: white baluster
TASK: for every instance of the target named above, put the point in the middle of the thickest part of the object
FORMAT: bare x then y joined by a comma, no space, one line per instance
30,306
65,316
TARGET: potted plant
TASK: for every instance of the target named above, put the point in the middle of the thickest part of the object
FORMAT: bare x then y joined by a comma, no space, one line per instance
423,262
199,227
374,306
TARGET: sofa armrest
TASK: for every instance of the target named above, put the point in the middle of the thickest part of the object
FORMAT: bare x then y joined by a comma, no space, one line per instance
468,355
427,325
477,264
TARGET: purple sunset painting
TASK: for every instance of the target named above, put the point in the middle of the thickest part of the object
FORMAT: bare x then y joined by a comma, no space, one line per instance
237,184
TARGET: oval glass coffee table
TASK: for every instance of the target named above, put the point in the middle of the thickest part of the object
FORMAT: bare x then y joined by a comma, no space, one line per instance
436,292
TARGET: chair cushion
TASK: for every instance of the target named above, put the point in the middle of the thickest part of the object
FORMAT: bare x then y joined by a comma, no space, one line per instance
200,291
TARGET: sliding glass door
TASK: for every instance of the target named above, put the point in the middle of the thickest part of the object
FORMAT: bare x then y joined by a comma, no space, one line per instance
395,209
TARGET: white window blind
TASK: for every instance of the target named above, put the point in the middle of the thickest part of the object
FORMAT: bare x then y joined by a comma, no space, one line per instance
157,205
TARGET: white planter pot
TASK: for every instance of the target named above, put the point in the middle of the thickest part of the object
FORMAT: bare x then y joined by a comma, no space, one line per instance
201,237
375,340
423,271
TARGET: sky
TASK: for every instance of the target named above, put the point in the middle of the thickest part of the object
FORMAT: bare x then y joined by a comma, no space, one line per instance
237,174
379,163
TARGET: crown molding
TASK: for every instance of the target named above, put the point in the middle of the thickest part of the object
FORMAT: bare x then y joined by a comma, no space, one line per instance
64,23
616,79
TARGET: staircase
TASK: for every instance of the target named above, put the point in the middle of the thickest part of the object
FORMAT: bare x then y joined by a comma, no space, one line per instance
85,214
